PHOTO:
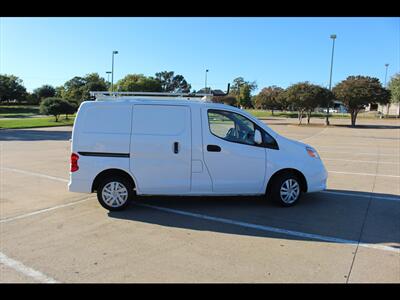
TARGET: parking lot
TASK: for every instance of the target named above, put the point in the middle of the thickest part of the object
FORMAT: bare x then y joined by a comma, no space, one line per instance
349,233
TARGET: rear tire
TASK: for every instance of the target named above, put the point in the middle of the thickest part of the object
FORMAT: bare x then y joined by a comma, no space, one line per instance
286,189
114,193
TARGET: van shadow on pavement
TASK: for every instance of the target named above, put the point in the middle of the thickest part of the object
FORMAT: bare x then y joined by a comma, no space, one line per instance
337,216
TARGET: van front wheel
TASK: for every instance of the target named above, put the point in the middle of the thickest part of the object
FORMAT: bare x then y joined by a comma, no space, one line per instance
114,193
286,189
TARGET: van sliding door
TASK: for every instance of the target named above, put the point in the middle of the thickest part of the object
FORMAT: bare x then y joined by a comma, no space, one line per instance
160,149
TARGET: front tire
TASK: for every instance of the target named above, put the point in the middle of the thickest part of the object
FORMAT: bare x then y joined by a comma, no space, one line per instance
286,189
114,193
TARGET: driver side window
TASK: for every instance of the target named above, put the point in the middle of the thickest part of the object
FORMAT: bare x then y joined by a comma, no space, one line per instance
231,127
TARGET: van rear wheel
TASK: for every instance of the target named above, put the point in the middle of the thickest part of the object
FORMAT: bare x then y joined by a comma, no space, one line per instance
286,189
114,193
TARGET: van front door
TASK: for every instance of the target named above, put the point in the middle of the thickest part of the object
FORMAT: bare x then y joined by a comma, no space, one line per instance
237,165
160,155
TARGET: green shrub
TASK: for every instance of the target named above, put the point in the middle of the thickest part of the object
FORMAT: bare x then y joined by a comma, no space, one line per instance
56,106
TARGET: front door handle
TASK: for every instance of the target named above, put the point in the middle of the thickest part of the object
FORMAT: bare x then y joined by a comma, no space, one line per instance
176,147
213,148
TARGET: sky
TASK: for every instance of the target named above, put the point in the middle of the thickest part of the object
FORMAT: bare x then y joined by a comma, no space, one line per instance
270,51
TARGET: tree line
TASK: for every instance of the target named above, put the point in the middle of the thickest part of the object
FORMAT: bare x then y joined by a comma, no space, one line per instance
355,92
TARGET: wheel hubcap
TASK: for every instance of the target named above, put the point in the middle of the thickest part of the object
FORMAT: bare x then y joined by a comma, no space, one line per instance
290,191
114,194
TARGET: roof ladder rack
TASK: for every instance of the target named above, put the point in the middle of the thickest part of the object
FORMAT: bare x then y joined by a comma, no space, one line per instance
112,95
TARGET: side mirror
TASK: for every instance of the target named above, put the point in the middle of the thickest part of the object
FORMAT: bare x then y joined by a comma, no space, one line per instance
257,137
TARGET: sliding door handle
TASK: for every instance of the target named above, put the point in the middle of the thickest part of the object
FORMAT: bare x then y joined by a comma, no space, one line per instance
213,148
176,147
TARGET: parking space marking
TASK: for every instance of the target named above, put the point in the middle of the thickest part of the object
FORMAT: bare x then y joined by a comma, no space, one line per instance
34,174
316,134
363,161
272,229
21,268
362,196
43,210
355,147
358,153
364,174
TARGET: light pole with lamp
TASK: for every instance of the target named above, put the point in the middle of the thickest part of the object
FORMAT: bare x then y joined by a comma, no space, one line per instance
112,71
333,37
386,66
205,85
108,76
388,105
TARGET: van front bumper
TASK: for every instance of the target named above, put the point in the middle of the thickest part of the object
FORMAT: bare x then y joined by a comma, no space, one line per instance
316,181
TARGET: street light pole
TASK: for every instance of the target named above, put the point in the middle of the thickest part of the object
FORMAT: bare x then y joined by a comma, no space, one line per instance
108,76
205,85
386,65
112,71
333,37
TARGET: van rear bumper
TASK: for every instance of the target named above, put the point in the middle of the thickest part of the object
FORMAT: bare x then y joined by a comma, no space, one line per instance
80,186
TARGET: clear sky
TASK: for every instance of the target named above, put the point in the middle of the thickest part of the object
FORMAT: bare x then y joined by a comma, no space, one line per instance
270,51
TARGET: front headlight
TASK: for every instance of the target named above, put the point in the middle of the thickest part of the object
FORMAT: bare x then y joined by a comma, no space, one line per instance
312,152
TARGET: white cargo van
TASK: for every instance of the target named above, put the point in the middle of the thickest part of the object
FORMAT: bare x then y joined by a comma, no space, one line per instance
141,144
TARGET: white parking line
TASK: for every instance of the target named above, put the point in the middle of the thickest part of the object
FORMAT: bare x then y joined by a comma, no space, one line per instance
363,161
364,174
37,212
358,153
20,267
314,135
272,229
362,196
355,147
34,174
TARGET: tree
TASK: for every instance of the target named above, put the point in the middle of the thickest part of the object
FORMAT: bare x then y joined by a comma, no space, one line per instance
11,88
394,87
269,98
245,96
45,91
78,88
242,89
358,91
32,98
68,108
138,83
320,97
172,83
305,97
55,107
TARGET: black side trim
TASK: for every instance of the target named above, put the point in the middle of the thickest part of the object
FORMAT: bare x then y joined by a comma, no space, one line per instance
104,154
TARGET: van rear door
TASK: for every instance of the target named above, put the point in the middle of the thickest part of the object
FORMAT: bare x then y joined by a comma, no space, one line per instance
160,151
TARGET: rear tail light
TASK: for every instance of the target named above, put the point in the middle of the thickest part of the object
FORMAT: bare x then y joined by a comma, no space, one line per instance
74,162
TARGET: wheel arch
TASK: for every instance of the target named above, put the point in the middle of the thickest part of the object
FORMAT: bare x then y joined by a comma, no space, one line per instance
300,175
112,172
